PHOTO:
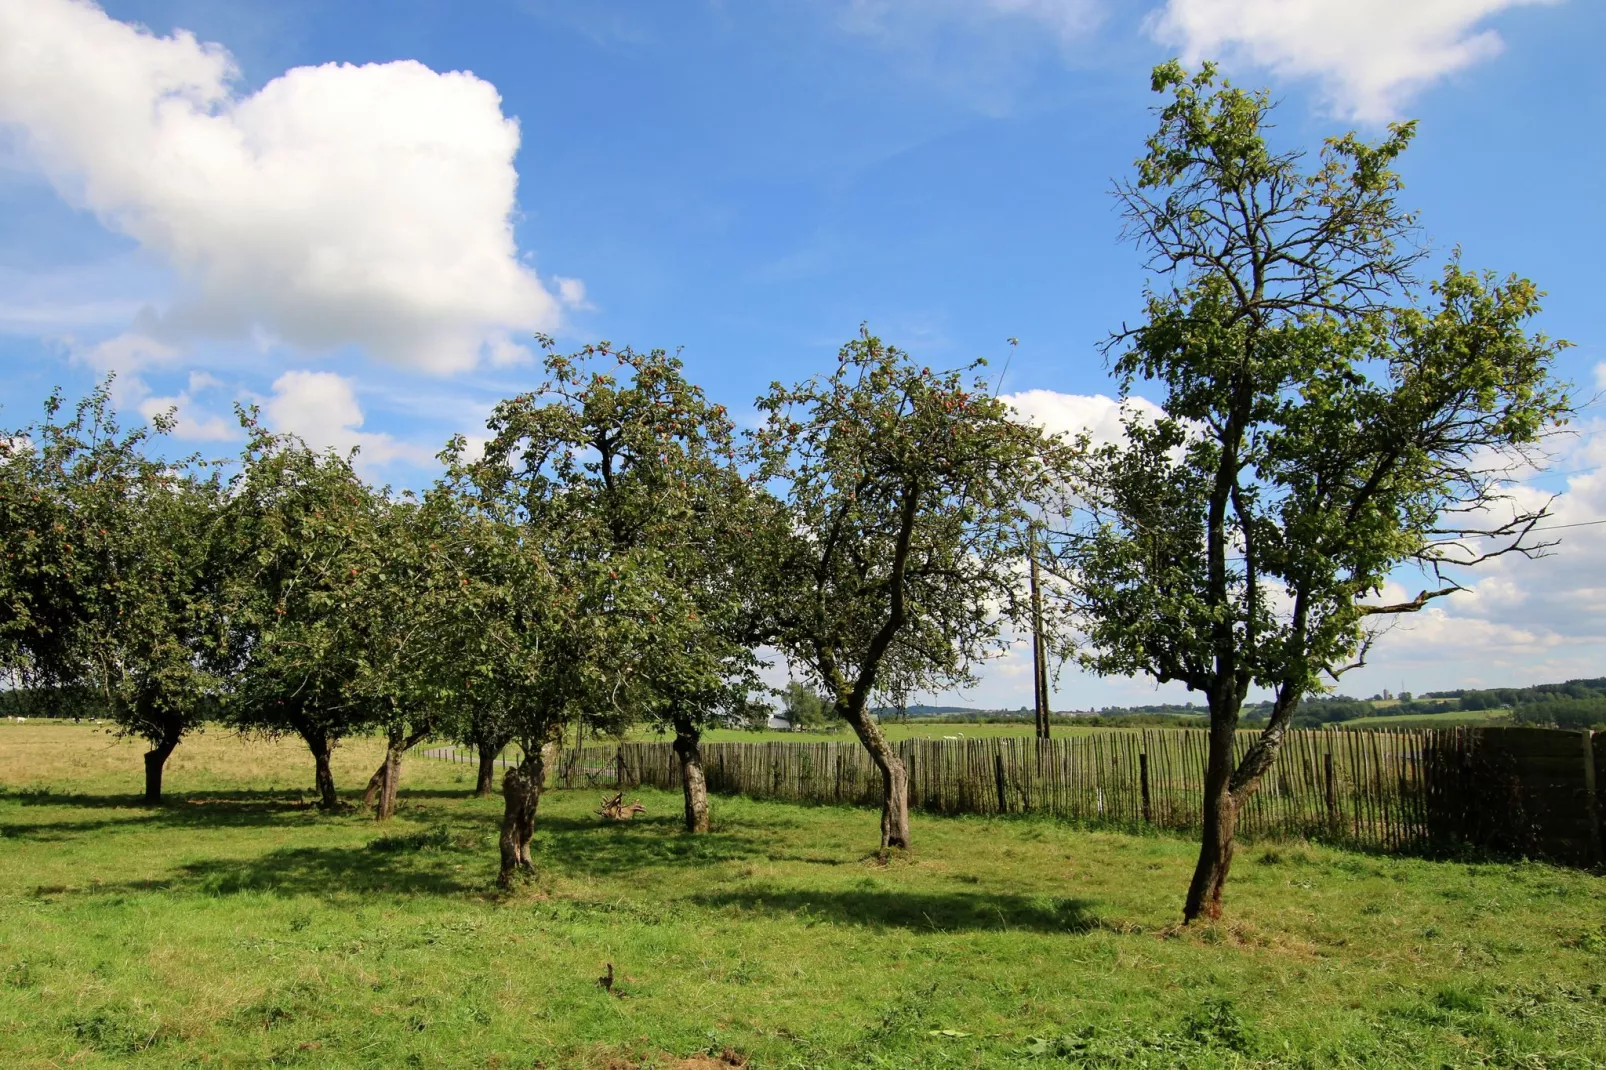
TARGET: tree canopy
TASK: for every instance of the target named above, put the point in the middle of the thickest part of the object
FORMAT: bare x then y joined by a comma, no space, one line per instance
1326,421
110,588
908,497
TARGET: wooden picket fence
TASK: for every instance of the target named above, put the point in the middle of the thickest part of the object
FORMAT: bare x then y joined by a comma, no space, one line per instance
1522,791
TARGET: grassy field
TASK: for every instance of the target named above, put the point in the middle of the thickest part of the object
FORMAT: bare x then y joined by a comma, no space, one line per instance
1448,719
235,927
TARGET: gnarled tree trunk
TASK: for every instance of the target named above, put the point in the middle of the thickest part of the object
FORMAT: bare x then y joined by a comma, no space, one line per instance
155,759
694,784
385,807
521,794
322,748
488,751
383,785
1229,782
894,779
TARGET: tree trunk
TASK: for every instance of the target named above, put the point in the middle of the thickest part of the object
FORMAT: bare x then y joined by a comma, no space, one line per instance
385,807
693,782
1220,823
155,759
894,780
521,794
376,783
1229,782
1039,650
324,779
382,786
488,749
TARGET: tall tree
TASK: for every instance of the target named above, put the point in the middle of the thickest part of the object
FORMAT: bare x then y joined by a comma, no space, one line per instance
1325,423
700,667
300,535
545,627
908,498
109,587
400,612
804,707
623,440
487,727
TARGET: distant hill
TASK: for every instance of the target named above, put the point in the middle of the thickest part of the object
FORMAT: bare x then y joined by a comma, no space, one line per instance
1573,703
932,711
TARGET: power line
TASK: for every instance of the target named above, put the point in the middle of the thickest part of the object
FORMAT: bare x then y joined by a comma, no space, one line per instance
1537,476
1580,524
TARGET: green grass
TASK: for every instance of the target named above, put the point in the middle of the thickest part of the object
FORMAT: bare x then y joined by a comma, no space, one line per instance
233,927
1447,719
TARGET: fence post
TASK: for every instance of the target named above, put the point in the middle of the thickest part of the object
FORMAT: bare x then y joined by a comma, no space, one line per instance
909,769
998,774
1592,797
1143,783
1332,791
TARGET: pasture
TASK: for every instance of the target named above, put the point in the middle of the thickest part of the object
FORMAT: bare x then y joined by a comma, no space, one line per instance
1448,719
236,926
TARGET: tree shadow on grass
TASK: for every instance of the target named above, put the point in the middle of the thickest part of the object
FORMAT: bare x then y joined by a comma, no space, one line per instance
593,847
340,871
201,811
327,872
440,851
198,810
926,911
281,798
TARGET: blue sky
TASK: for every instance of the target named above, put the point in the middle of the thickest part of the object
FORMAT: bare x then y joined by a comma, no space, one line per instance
223,218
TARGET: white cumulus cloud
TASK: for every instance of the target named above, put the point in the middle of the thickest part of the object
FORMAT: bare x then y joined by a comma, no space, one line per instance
188,421
336,206
321,408
1102,417
1368,55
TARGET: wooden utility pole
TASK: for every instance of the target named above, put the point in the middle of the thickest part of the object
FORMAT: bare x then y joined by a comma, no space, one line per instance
1039,652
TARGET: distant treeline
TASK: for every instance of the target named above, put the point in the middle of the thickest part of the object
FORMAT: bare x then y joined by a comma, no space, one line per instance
67,702
72,703
1185,717
1572,704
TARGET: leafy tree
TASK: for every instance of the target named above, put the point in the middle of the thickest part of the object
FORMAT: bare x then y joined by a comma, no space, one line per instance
700,667
523,649
1323,426
554,616
908,499
302,540
626,445
753,714
483,724
804,707
109,586
1563,712
397,613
